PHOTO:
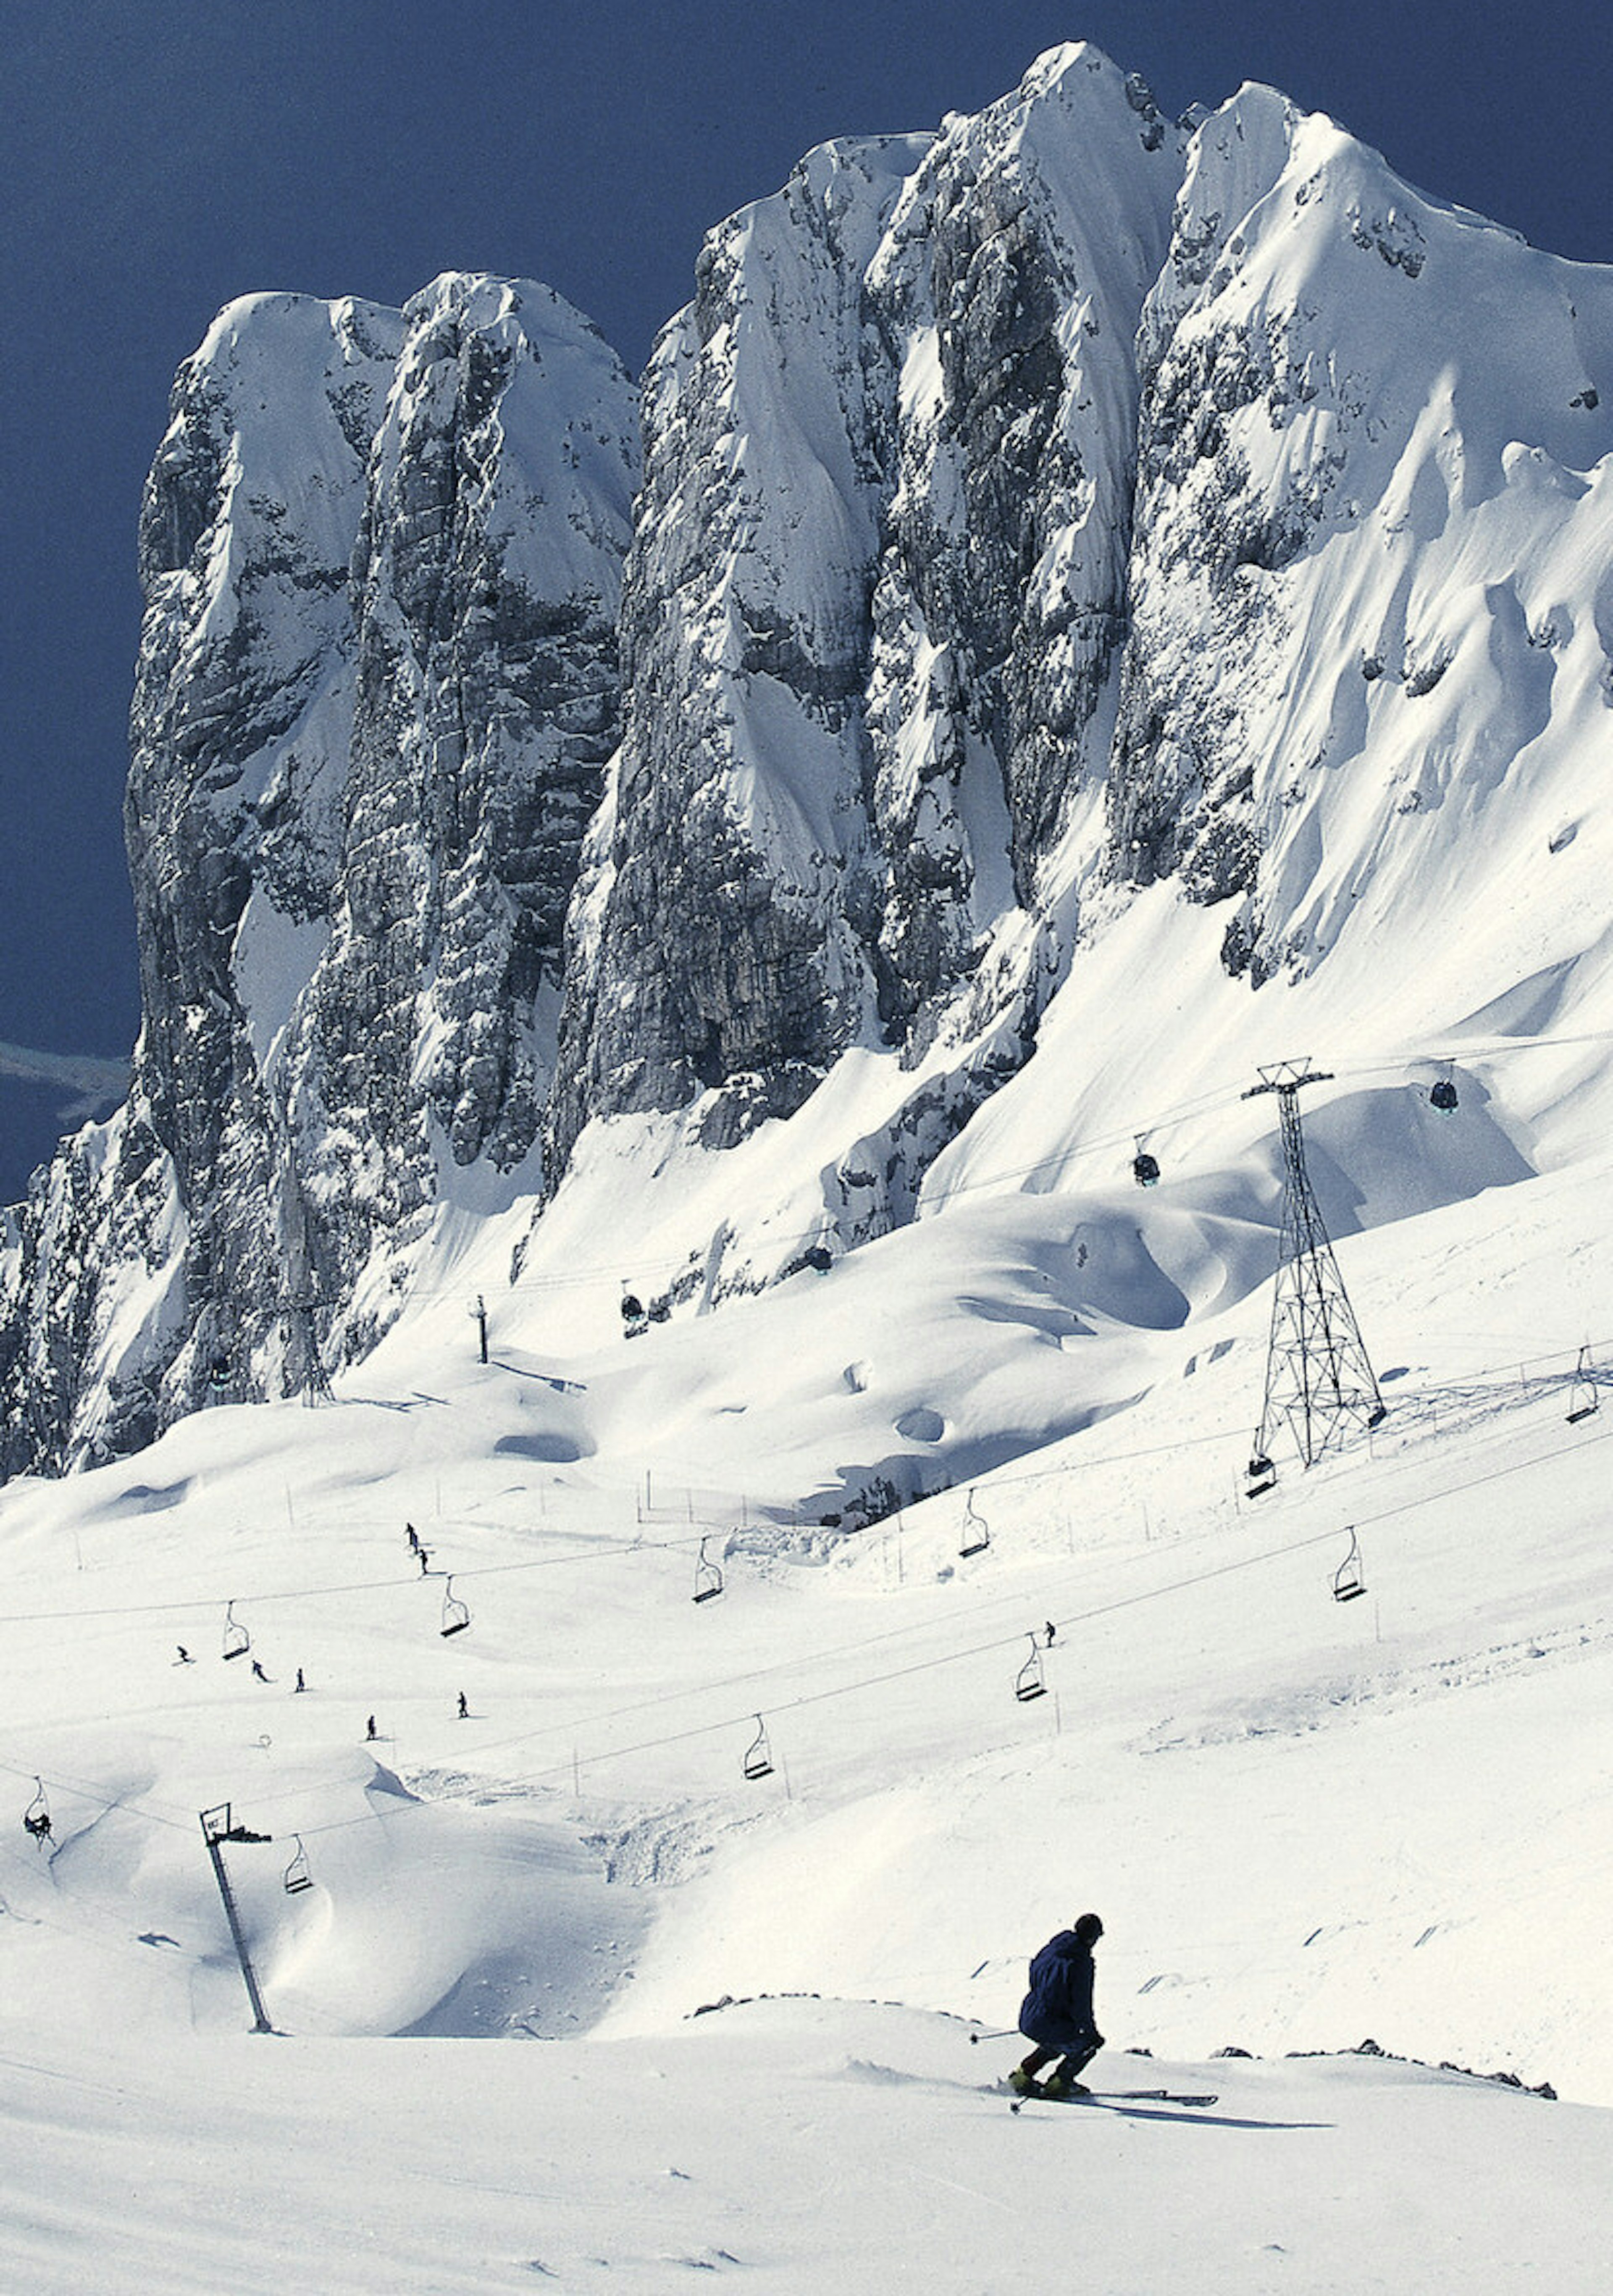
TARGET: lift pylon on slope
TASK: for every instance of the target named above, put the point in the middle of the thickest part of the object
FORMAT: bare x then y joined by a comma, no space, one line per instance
1320,1384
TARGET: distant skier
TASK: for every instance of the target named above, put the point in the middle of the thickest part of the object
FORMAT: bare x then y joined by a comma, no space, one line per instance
370,1729
1057,2012
413,1535
185,1658
300,1683
464,1707
425,1560
258,1671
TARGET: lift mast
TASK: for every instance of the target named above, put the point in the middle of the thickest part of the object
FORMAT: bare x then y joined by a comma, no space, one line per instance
1319,1382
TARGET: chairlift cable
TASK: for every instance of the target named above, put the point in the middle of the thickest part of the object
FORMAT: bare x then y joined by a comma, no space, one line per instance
913,1668
1092,1146
983,1649
731,1723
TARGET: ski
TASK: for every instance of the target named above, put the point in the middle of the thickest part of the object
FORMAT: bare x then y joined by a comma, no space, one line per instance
1118,2096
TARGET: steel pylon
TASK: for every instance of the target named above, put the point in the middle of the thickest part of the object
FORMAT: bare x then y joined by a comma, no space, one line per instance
1320,1385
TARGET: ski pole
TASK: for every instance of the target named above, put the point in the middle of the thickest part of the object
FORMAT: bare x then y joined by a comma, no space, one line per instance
1006,2033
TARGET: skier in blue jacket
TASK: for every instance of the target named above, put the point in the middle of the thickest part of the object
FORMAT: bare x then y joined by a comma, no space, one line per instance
1057,2012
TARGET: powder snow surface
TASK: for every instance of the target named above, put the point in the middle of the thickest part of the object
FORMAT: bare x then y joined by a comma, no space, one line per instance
1305,1823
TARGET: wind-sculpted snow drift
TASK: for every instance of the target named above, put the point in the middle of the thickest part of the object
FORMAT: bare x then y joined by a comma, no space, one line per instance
1123,591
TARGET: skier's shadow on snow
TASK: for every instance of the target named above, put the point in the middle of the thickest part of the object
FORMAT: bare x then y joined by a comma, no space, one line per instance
1196,2118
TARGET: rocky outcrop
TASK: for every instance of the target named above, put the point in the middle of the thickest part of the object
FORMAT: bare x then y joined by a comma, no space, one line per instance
1059,505
865,678
1347,486
377,685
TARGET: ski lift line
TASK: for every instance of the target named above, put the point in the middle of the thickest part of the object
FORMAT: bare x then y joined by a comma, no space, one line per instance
185,1603
746,1718
569,1731
1183,1111
680,1264
1485,1378
1501,1376
732,1722
564,1767
79,1791
65,1782
1504,1376
1106,1144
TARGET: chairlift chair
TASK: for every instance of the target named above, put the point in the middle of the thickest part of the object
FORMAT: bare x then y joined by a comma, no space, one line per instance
976,1536
707,1577
37,1817
1583,1397
237,1642
758,1754
1262,1475
1348,1579
455,1614
1030,1682
297,1876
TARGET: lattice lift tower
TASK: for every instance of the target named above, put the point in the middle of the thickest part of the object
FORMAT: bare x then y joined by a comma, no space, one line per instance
1319,1382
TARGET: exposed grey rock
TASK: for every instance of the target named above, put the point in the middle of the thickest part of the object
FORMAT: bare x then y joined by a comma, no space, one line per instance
864,680
1055,507
377,685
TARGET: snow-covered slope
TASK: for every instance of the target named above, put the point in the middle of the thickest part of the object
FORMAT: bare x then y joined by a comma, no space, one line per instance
1369,665
1305,1823
1112,606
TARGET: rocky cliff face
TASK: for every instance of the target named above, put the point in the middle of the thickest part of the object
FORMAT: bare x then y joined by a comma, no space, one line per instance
1063,505
381,556
868,674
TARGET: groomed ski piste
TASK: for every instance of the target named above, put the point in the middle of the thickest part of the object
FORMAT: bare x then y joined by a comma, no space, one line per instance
1308,1823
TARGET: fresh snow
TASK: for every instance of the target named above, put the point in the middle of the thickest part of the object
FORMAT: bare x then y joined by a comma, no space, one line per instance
1306,1824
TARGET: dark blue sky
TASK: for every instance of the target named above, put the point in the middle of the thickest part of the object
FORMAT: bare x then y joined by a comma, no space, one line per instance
158,157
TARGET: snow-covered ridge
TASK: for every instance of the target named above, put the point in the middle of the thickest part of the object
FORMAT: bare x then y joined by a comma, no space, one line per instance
381,553
1087,569
1111,605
